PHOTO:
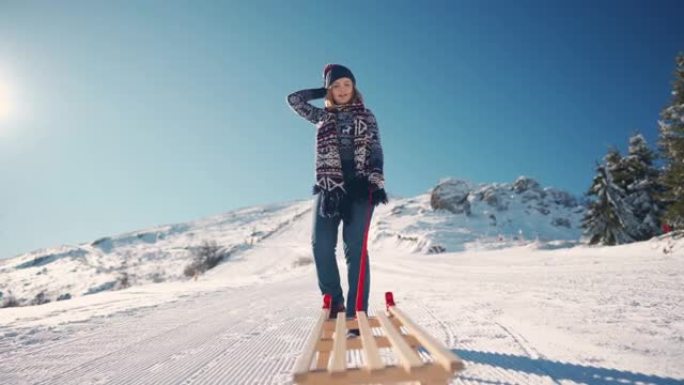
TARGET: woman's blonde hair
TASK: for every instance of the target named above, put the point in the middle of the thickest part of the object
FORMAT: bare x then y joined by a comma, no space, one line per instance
329,102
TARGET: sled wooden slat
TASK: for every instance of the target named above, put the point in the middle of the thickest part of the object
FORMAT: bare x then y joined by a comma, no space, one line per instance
415,356
304,361
370,347
324,352
408,357
338,359
444,356
351,324
430,375
325,344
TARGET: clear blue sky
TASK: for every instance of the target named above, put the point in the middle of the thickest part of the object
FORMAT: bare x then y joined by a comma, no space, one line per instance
116,116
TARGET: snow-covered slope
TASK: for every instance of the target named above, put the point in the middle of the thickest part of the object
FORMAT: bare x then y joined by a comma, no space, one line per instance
147,256
456,215
516,315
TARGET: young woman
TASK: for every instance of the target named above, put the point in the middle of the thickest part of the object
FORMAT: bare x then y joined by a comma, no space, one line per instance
349,181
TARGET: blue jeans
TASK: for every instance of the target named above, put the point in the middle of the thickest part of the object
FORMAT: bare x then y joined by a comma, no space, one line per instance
324,242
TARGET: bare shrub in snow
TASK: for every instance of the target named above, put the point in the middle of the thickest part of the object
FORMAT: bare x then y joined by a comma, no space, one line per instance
157,277
64,297
205,257
122,281
40,299
9,301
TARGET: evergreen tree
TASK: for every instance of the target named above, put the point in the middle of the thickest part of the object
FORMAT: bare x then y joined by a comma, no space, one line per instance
609,219
642,187
671,144
599,217
615,164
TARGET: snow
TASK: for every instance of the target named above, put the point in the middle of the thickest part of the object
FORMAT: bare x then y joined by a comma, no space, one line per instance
501,214
518,311
147,256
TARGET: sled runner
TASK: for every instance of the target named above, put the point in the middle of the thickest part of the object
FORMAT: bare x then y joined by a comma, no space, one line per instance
408,352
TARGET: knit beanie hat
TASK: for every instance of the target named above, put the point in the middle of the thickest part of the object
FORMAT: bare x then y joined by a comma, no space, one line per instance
332,72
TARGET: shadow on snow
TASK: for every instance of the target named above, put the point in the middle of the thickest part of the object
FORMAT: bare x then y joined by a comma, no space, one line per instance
558,371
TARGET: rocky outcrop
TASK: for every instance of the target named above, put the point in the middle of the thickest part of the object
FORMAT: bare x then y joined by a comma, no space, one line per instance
458,197
452,195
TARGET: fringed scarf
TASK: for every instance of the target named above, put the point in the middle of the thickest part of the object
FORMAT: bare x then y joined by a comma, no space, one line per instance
329,176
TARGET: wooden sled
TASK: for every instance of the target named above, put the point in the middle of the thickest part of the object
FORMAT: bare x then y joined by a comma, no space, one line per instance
420,357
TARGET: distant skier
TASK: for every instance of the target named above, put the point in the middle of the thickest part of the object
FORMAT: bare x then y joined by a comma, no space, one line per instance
349,181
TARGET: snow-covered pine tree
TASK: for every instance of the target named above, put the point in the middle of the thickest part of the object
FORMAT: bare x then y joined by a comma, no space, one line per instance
642,187
609,219
671,144
615,163
599,217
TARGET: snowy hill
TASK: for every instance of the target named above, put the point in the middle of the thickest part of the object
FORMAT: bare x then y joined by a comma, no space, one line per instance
516,312
147,256
456,215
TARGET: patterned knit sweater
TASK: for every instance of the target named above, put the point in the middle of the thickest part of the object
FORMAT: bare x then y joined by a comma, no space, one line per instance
356,185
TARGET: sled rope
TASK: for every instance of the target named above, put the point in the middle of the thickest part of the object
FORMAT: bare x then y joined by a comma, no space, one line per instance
364,252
